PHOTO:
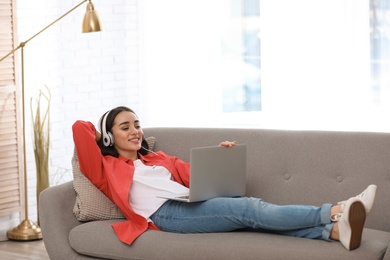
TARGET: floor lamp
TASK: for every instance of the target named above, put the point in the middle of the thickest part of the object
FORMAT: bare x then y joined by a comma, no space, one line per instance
27,230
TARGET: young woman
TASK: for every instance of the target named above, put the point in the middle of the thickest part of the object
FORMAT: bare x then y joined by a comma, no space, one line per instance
117,160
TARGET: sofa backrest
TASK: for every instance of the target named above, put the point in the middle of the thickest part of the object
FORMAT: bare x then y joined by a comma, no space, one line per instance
300,167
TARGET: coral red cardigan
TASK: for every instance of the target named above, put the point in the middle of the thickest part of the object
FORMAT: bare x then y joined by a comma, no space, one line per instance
113,176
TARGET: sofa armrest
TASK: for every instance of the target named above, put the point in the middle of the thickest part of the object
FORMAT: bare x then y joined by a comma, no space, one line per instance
57,219
387,253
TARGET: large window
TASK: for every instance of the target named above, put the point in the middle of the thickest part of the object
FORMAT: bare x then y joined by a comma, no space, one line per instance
380,50
240,50
291,64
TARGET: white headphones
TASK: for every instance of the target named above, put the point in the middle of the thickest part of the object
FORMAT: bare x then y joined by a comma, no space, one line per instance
108,138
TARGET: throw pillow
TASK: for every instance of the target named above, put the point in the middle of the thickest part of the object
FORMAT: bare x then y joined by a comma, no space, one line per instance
91,204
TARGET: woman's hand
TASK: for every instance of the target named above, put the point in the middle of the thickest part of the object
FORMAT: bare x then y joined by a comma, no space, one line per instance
228,143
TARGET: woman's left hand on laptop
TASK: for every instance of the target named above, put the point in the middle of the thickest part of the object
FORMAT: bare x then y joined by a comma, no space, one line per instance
228,143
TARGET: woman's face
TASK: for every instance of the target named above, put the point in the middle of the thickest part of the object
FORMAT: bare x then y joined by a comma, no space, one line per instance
127,134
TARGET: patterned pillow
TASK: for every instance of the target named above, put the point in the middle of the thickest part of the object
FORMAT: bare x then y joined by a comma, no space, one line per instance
91,204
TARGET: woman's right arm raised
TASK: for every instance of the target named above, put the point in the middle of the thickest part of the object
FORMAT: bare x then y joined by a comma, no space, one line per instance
88,152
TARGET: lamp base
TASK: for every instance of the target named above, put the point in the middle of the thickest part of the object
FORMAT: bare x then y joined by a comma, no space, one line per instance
26,231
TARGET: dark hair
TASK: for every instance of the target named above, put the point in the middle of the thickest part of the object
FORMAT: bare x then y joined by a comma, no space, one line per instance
111,150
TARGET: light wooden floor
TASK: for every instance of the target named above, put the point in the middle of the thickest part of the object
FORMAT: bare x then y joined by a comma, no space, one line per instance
15,250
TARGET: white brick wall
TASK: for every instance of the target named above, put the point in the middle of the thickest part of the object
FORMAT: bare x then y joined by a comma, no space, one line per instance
87,73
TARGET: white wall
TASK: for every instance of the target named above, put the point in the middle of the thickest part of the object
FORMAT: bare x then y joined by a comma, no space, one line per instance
87,74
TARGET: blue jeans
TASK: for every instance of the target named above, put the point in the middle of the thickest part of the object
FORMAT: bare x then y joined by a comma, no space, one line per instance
229,214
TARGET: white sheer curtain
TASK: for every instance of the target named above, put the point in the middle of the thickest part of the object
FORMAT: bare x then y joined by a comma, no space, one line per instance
315,62
315,65
380,51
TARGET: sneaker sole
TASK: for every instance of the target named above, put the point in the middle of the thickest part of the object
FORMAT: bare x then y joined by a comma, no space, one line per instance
357,217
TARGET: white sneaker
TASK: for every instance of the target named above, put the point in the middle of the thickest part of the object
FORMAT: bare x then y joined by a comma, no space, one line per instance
367,197
351,223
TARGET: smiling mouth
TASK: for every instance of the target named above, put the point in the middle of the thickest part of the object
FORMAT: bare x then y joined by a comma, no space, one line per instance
134,140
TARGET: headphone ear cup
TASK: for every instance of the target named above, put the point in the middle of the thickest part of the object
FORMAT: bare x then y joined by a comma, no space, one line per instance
107,137
111,138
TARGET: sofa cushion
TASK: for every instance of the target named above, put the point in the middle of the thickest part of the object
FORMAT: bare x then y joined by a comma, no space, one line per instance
91,203
98,239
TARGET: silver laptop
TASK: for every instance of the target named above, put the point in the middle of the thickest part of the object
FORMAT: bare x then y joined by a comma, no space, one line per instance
216,172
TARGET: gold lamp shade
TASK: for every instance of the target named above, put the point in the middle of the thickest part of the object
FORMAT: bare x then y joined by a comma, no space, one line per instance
92,22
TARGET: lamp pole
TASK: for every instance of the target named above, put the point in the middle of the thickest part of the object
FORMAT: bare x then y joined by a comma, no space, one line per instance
27,230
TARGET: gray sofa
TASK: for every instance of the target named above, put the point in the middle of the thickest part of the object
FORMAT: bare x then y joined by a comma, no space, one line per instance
284,167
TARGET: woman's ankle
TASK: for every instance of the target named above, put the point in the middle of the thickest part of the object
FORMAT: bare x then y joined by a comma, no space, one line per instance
334,234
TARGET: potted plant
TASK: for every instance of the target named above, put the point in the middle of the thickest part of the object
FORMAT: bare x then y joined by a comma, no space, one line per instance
40,114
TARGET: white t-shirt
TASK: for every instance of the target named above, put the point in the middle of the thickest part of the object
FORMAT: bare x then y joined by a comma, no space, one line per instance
150,182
